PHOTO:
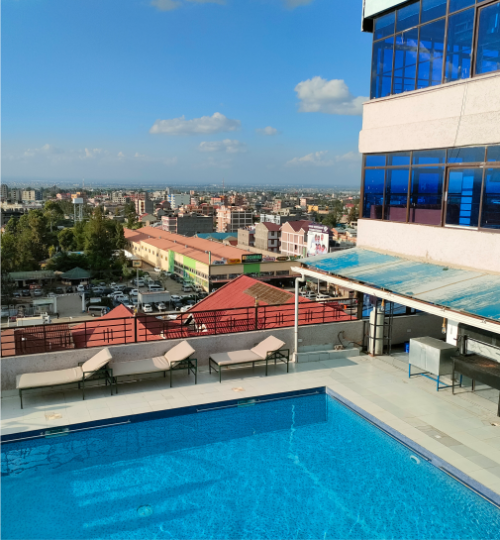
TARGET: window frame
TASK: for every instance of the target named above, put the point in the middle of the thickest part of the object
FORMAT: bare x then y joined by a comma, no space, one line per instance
477,7
483,165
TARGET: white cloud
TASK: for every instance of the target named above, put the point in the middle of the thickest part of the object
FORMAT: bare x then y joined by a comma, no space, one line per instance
267,131
165,5
322,159
46,149
292,4
331,97
231,146
94,152
217,123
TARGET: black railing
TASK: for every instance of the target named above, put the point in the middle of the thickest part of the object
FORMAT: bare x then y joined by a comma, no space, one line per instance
144,328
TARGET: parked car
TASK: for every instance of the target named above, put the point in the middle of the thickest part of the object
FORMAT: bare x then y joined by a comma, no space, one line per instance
310,295
175,298
98,290
26,292
176,305
97,311
17,294
147,308
155,288
323,297
186,287
5,311
184,309
80,288
37,292
190,302
59,290
138,282
51,294
160,306
133,292
157,269
198,288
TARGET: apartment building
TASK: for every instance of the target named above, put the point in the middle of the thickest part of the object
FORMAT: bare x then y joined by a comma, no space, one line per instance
187,224
232,218
294,238
31,195
4,192
246,237
177,200
267,236
280,219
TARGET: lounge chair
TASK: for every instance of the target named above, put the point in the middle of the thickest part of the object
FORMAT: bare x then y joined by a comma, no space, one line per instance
267,350
179,357
95,368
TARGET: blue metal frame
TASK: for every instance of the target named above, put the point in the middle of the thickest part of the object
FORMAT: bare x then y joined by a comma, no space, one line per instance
439,384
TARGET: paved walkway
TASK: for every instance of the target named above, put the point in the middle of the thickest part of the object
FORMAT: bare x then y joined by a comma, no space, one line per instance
462,429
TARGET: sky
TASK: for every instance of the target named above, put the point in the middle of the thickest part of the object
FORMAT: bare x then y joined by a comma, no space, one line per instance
183,91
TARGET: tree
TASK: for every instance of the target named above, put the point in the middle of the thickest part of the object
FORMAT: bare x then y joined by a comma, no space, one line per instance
130,214
79,232
67,240
100,244
353,213
53,213
330,220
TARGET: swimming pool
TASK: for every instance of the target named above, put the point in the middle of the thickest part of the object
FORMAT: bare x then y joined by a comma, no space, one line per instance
303,467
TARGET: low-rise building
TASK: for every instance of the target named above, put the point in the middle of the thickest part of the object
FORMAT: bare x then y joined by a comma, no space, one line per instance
232,218
246,237
294,238
31,195
267,236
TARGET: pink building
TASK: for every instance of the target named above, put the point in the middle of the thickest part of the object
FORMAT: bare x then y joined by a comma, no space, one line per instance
294,238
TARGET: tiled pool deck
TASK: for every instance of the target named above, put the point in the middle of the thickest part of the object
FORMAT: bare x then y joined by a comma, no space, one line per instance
459,429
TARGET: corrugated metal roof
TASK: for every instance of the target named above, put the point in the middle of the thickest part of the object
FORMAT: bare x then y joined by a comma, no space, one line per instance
35,274
477,293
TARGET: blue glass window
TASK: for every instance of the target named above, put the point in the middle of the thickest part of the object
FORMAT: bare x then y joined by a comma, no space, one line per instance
398,159
408,17
488,39
396,194
431,53
384,26
432,9
490,215
426,195
429,157
373,197
455,5
466,155
459,45
375,160
493,153
464,197
382,68
405,61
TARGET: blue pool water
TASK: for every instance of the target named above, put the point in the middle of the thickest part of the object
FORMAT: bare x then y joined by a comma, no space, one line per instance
305,467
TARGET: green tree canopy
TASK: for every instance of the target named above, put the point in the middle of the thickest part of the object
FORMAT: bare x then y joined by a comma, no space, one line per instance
67,240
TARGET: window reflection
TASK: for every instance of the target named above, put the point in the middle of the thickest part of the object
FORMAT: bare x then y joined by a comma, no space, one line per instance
430,56
405,61
382,68
473,154
396,194
464,197
429,157
490,217
384,26
432,9
455,5
459,45
426,195
488,40
408,16
373,198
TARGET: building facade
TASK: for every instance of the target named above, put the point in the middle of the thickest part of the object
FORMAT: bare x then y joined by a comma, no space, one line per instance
294,238
31,195
187,225
5,192
177,200
267,236
232,218
431,132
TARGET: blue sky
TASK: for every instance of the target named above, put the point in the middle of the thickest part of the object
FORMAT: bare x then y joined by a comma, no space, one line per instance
190,91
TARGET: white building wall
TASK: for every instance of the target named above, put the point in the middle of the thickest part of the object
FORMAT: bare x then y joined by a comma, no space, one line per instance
462,113
460,248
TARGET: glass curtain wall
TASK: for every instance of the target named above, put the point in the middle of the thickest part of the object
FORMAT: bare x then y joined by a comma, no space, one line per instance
430,42
458,187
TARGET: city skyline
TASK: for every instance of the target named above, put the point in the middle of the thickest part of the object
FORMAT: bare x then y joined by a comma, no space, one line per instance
247,91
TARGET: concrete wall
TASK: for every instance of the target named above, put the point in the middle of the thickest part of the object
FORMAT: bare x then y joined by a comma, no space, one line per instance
455,114
461,248
420,325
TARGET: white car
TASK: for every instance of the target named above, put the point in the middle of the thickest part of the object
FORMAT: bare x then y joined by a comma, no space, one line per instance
138,282
161,306
134,292
309,295
157,269
323,297
147,308
80,288
185,308
175,298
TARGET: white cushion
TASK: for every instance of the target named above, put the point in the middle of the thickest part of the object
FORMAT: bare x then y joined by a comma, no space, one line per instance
180,352
139,367
235,357
270,344
49,378
96,362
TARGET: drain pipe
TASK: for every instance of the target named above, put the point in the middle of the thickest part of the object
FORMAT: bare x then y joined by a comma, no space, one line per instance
298,281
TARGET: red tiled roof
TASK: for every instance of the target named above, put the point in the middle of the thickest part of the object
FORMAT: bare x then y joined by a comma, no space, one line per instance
297,225
271,226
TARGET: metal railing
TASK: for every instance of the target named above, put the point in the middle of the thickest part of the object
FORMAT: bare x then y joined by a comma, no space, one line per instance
102,332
